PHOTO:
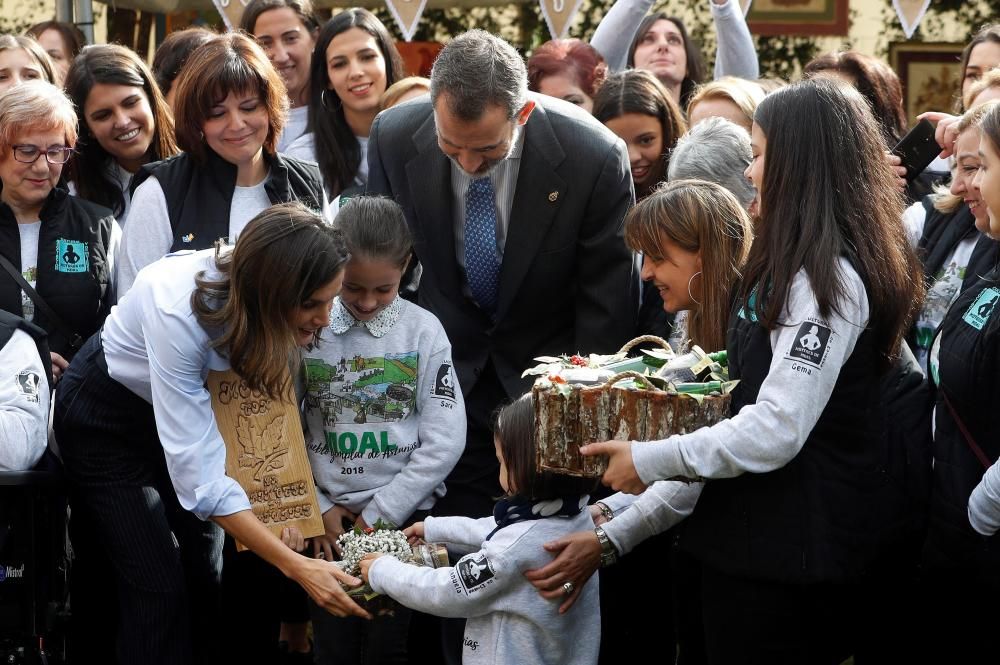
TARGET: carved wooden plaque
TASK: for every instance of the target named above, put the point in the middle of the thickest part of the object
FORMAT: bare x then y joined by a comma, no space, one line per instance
266,454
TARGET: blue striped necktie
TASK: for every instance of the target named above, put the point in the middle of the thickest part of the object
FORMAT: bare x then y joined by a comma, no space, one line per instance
481,266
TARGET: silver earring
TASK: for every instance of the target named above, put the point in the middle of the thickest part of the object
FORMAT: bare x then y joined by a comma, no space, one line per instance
691,295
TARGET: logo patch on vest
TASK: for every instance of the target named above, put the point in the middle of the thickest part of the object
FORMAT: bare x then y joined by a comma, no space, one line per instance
811,344
27,385
979,311
475,571
72,256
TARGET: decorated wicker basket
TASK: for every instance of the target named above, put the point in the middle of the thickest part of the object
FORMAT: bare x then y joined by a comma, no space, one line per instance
629,405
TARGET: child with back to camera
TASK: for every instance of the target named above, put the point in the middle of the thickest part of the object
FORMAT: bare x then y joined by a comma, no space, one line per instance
508,622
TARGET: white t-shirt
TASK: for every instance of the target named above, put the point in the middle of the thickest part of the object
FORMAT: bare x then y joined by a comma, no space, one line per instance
247,203
942,293
29,263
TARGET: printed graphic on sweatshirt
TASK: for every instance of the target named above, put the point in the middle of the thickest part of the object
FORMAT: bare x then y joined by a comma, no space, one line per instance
72,256
980,310
27,384
811,344
444,382
474,571
363,390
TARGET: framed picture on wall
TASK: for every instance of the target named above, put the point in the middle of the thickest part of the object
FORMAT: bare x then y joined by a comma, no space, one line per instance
930,73
798,17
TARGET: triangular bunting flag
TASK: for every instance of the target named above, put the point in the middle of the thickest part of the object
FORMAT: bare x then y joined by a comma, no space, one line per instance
745,4
407,14
558,15
231,11
910,13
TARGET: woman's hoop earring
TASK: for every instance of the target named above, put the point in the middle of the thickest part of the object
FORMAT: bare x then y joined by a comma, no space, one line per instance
322,101
691,295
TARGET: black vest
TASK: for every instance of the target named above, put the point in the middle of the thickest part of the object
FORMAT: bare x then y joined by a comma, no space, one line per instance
199,196
10,322
810,520
969,371
73,275
942,234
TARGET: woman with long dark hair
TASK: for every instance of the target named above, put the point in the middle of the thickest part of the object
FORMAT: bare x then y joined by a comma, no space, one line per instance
124,123
353,63
790,521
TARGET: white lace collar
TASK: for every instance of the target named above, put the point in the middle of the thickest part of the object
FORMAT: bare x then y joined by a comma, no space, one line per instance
341,320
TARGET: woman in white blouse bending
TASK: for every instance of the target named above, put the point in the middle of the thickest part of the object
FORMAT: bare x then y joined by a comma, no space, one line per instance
143,453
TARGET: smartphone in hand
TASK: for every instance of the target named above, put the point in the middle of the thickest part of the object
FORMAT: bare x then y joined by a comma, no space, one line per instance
917,149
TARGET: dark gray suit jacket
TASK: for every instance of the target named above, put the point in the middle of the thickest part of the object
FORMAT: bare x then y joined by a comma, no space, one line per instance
567,282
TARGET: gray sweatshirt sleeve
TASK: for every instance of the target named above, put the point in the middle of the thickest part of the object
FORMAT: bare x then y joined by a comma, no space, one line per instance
460,534
24,404
148,238
736,54
766,435
984,503
616,30
478,584
661,506
440,433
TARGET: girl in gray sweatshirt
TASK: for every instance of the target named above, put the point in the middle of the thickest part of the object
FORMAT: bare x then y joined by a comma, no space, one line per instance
508,622
385,415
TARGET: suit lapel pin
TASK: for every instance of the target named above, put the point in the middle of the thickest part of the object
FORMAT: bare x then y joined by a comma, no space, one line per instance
553,196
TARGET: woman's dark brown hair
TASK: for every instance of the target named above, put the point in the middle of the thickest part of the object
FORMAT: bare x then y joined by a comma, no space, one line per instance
988,33
695,62
302,8
875,80
111,64
828,193
173,53
514,428
638,91
228,64
72,38
284,255
338,152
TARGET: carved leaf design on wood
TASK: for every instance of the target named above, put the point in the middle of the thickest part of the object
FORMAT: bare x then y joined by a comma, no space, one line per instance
264,449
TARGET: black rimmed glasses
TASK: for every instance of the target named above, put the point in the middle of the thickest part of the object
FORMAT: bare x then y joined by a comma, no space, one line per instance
29,154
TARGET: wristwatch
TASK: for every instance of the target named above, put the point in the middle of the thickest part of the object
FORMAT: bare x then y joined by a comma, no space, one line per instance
605,510
608,552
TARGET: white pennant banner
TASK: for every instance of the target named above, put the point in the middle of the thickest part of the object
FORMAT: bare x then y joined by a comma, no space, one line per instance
745,4
407,14
910,13
231,11
558,15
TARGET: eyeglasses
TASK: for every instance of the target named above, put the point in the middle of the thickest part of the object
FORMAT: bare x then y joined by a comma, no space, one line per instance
29,154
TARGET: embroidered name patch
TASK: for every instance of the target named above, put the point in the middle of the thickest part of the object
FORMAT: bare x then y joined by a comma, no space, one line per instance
474,570
979,311
72,256
444,383
27,385
811,344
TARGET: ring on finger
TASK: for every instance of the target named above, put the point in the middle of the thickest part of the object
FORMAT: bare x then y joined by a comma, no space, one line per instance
568,588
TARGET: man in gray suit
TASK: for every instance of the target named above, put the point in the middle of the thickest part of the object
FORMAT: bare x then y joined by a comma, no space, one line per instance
516,204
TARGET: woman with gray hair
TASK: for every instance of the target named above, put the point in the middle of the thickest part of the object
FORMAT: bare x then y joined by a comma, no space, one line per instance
718,151
56,250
